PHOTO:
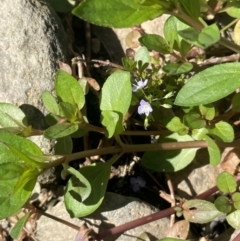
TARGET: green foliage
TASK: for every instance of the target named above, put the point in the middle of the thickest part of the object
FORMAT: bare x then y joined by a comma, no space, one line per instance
16,230
213,151
61,130
115,101
226,182
222,131
204,39
128,14
69,90
131,99
210,85
222,203
77,202
63,146
176,42
50,102
155,42
199,211
234,219
169,161
176,69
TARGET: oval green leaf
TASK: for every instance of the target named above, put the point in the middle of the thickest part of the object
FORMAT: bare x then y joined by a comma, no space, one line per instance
236,200
222,131
127,14
210,85
155,42
222,203
117,92
50,102
199,211
60,130
226,182
234,219
69,90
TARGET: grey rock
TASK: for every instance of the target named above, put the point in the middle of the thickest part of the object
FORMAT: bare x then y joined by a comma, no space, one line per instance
32,41
196,178
115,210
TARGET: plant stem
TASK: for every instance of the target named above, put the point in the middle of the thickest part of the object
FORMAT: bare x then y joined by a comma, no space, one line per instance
147,147
135,223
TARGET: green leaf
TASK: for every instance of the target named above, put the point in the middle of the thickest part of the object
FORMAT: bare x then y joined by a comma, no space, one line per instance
78,186
63,146
213,151
207,111
233,8
236,200
142,55
222,203
60,130
11,202
171,239
117,92
17,146
69,111
11,170
210,85
69,90
176,125
16,230
176,68
169,161
226,182
171,27
110,120
199,134
222,131
192,8
193,120
11,116
234,219
236,102
27,176
127,14
97,175
50,102
209,35
204,39
199,211
155,42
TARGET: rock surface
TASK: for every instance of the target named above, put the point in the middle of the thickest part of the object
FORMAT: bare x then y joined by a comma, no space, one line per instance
115,210
32,41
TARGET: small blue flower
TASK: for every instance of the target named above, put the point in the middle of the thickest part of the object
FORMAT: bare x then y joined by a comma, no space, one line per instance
140,85
137,183
144,108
